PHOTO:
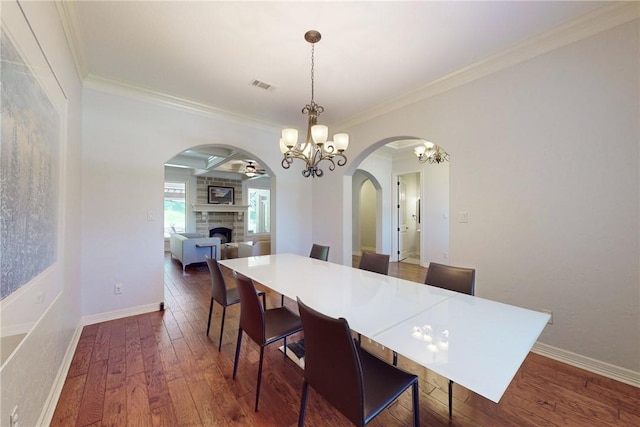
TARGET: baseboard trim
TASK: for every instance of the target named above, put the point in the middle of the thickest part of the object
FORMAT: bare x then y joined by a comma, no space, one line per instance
118,314
54,394
617,373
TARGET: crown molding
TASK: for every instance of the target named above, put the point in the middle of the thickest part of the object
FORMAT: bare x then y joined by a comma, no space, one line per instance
600,20
68,13
133,91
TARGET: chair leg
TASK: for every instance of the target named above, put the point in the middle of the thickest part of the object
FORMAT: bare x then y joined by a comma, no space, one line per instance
303,404
259,376
285,347
224,313
395,359
416,404
235,362
450,398
210,314
281,300
264,301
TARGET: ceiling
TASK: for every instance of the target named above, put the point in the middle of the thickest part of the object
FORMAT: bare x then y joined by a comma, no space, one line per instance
370,52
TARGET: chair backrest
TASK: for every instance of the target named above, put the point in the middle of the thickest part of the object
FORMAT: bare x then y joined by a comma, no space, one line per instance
457,279
378,263
261,247
251,312
332,366
319,252
218,285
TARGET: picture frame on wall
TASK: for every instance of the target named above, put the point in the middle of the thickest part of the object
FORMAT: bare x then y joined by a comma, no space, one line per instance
220,195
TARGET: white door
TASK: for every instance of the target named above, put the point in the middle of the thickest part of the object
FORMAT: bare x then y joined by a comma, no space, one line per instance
402,219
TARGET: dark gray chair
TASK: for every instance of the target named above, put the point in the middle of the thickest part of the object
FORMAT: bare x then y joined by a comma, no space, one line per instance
355,382
319,252
223,296
263,326
458,279
378,263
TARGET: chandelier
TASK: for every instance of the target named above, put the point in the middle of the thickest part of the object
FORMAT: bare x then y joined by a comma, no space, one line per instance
315,148
431,153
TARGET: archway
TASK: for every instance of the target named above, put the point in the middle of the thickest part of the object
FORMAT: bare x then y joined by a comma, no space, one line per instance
366,203
395,157
204,167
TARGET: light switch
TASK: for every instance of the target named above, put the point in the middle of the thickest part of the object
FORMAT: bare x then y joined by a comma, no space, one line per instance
151,216
463,216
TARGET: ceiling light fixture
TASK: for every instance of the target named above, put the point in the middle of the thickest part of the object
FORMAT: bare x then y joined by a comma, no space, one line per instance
252,170
431,153
315,147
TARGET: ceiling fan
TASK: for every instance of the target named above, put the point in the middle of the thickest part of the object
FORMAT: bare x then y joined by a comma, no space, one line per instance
251,169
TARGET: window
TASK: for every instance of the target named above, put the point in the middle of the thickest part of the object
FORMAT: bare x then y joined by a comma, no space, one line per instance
174,208
259,208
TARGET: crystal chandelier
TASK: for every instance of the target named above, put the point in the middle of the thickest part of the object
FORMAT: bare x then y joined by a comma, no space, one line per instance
315,148
431,153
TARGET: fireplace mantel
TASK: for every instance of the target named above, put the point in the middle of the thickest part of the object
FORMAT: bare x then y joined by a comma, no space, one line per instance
219,208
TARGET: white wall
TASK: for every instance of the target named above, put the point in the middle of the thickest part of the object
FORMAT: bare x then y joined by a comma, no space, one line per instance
127,140
545,161
29,377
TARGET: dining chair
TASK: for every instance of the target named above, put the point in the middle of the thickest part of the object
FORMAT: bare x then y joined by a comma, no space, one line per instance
372,261
223,296
377,263
458,279
319,252
264,327
355,382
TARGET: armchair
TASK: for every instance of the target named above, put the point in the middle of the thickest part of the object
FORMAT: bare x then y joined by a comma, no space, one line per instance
189,248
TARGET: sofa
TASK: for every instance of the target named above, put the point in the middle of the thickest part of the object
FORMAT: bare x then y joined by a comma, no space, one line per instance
190,248
255,247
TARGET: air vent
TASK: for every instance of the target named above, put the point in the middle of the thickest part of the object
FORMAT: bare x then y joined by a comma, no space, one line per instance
262,85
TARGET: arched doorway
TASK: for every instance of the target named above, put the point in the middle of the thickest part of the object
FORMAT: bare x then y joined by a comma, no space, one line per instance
367,224
385,161
203,169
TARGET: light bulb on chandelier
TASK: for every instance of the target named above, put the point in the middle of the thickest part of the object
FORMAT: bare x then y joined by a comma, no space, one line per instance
315,148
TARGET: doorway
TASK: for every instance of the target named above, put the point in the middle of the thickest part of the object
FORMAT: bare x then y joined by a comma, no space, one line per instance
408,231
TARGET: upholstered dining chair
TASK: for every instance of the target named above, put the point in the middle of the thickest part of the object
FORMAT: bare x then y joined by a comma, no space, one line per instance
355,382
377,263
264,327
223,296
319,252
372,261
458,279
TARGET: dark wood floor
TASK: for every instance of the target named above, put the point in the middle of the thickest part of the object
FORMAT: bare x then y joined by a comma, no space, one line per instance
161,369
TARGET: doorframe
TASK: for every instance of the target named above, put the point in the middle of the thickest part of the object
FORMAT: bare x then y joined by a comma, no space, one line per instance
395,250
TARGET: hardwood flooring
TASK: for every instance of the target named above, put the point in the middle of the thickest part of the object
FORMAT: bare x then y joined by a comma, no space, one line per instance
160,369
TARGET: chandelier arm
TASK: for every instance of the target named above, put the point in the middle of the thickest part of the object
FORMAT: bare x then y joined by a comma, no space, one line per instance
286,162
343,159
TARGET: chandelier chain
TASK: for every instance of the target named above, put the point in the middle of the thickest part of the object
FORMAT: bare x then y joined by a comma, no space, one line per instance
312,68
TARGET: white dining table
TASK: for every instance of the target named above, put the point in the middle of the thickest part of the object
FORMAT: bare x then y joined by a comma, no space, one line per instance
478,343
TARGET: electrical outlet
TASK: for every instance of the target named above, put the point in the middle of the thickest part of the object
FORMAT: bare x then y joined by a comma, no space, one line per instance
117,289
13,420
550,313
